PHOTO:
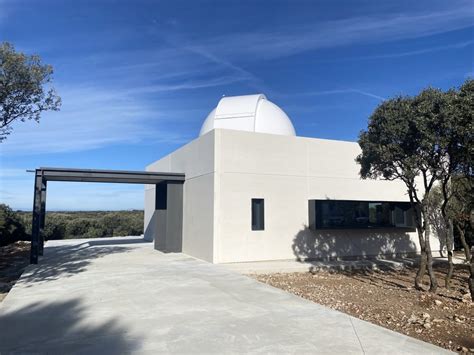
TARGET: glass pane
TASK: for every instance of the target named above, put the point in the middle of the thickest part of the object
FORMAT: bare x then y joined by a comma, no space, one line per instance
258,221
360,214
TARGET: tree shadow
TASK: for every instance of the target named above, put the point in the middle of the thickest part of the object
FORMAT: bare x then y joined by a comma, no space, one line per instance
437,227
376,279
352,244
62,328
67,260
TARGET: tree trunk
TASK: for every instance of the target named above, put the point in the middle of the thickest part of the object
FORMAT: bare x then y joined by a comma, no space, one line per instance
423,260
429,263
449,246
462,237
420,230
471,276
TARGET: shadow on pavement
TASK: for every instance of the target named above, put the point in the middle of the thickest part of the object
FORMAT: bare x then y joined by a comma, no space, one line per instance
67,260
62,328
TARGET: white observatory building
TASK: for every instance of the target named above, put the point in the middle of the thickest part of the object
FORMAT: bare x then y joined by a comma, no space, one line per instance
255,191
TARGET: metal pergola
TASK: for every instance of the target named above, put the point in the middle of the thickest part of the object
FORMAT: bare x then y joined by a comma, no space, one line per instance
43,175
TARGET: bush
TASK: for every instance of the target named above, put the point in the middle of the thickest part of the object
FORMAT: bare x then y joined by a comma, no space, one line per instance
11,226
67,225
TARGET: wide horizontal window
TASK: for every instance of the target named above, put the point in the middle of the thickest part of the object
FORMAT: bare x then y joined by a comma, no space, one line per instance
338,214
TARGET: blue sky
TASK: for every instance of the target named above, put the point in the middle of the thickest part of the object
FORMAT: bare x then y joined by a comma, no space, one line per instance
137,78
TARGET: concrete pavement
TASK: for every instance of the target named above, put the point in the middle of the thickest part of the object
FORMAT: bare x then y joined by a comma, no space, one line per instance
112,296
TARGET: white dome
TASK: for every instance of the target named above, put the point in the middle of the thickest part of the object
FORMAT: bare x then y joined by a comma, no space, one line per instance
252,113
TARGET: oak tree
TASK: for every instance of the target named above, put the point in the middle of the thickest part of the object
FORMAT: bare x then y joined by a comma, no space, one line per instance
25,88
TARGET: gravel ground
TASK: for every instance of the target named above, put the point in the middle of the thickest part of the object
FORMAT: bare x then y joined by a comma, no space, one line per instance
387,298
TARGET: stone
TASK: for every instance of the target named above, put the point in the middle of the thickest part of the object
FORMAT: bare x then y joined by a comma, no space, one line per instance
412,319
466,298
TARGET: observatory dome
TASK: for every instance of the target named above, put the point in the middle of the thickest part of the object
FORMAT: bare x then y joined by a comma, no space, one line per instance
252,113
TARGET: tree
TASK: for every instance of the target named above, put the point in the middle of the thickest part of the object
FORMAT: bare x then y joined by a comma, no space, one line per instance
11,228
455,146
25,89
399,144
426,141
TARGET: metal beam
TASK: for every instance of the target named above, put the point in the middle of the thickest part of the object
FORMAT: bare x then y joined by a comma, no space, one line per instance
43,175
35,229
42,216
113,176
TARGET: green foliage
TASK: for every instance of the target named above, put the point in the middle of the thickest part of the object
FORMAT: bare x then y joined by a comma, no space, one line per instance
459,128
23,91
96,224
461,206
11,227
421,140
429,135
459,209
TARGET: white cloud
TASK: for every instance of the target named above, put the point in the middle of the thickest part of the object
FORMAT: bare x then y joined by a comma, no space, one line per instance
90,118
296,39
420,51
343,91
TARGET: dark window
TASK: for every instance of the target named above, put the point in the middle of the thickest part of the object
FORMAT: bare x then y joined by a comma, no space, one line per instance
258,214
337,214
161,196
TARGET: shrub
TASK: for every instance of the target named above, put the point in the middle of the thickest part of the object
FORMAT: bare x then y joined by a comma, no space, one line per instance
11,227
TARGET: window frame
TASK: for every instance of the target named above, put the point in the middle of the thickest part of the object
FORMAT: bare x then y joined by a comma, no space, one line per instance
315,219
257,214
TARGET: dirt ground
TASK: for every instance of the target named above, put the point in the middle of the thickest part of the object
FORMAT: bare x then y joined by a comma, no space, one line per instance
387,298
14,258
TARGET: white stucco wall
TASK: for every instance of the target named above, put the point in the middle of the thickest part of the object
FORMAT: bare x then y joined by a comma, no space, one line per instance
196,161
287,172
225,169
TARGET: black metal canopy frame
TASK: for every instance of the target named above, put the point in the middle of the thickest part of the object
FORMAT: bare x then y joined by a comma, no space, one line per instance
43,175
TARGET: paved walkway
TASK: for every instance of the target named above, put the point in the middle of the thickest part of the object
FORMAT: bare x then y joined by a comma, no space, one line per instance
288,266
121,296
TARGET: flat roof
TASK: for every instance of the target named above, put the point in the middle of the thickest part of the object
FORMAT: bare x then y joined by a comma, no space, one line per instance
108,176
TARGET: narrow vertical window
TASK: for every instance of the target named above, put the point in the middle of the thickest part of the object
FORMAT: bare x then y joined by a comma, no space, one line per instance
258,214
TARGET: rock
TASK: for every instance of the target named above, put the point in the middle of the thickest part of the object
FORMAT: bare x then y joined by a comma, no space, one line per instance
425,316
438,302
466,298
427,325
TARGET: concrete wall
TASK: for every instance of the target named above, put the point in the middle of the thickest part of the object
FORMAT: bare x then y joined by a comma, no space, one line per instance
287,172
196,160
225,169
